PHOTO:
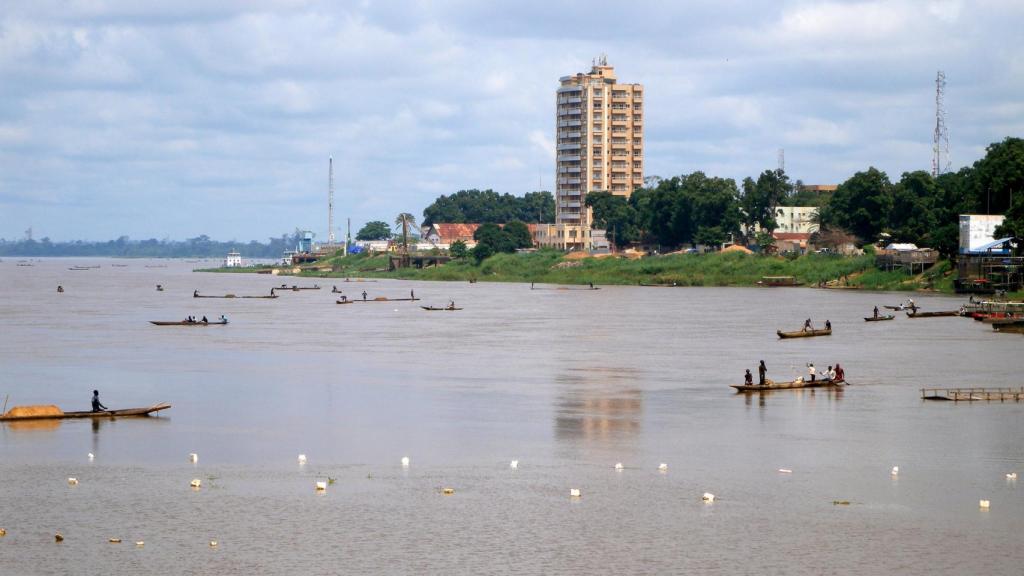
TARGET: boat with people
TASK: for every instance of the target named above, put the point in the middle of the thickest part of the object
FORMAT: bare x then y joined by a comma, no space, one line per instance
435,308
198,295
879,318
778,281
51,412
790,385
220,322
804,333
297,288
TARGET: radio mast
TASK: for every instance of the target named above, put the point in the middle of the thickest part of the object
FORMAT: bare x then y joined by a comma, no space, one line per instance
940,141
330,201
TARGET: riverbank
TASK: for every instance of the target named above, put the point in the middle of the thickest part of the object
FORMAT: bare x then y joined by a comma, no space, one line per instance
716,269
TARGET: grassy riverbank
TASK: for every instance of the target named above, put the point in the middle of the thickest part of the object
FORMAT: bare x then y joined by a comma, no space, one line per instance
717,269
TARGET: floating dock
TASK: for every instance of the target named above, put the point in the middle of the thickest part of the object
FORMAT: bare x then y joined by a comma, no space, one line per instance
973,394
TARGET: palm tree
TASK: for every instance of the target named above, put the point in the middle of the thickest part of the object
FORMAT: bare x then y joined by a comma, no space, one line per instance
405,220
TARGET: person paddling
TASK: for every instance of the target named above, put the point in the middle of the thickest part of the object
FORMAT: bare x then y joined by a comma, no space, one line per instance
876,312
748,378
761,371
98,406
840,373
807,326
364,295
811,371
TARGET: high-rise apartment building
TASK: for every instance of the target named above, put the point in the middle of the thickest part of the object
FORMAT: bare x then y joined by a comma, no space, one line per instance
599,147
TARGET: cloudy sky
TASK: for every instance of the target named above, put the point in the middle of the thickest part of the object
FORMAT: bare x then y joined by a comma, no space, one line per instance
174,119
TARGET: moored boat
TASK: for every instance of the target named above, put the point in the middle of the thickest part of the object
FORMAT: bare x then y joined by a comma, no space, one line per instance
804,333
879,318
778,281
912,314
50,412
791,385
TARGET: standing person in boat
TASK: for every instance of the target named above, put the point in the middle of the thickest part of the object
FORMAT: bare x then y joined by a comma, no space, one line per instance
364,295
876,312
60,289
98,406
748,378
811,371
840,373
828,325
912,306
195,293
807,326
205,321
223,318
591,285
271,291
412,294
451,304
761,371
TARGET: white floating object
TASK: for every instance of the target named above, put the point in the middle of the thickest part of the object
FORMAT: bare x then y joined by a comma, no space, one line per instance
91,456
139,544
1011,476
302,458
513,464
895,471
72,481
983,504
405,461
213,543
193,457
114,540
195,483
321,486
618,465
785,471
709,497
574,492
663,467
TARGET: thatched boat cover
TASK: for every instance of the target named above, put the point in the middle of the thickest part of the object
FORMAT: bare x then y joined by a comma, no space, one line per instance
35,410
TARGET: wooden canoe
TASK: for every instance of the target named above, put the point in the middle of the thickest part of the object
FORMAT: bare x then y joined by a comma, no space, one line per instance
434,308
879,318
296,288
932,314
184,323
804,333
233,296
778,282
383,299
13,415
901,307
792,385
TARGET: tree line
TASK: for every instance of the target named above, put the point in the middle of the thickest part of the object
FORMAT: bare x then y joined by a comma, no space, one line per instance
198,247
918,208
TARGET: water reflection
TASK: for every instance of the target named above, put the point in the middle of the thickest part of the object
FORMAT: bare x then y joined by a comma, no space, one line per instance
804,395
594,407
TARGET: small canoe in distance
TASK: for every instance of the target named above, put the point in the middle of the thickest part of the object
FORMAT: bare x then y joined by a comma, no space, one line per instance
911,314
435,308
672,285
900,307
297,288
18,413
804,333
792,385
381,299
195,295
187,323
879,318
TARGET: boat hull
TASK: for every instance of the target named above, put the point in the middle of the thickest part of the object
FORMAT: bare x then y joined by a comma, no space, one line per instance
127,412
932,314
183,323
793,385
879,318
804,333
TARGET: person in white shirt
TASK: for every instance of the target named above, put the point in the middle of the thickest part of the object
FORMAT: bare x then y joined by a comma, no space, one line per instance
830,373
811,371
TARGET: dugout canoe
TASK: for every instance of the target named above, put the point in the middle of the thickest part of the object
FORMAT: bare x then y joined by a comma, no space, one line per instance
804,333
233,296
185,323
879,318
50,412
932,314
382,299
791,385
901,307
435,308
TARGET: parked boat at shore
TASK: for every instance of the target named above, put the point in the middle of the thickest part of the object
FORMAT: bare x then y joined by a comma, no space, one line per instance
778,281
912,314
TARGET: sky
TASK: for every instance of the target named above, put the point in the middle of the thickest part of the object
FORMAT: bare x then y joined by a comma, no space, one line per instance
176,119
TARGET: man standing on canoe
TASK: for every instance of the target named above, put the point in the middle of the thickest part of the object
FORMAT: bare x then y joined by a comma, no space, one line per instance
364,295
98,406
761,371
807,326
811,371
828,324
876,312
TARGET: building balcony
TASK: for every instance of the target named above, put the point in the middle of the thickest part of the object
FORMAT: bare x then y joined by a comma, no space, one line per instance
568,180
568,123
569,170
568,134
565,205
568,158
562,147
565,89
571,100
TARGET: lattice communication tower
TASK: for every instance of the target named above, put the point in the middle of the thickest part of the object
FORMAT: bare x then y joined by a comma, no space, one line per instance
940,140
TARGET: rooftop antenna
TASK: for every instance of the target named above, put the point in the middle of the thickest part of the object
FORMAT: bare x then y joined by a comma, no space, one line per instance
940,141
330,201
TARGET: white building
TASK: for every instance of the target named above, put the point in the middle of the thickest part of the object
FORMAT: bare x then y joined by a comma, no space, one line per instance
234,260
977,230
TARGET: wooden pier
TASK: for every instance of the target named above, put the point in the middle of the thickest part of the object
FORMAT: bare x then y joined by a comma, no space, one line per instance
973,394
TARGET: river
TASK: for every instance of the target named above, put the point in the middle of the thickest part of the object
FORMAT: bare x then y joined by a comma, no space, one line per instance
567,382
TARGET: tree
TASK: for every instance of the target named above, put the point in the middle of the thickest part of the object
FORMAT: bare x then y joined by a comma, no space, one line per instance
761,198
912,217
999,175
862,204
375,230
458,249
405,220
766,241
616,214
491,239
482,206
1014,223
518,234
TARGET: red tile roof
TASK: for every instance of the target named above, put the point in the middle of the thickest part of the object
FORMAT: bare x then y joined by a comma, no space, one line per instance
791,236
449,233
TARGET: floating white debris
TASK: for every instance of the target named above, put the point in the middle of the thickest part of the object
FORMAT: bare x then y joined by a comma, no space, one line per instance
405,461
513,464
983,504
193,457
574,492
140,543
213,543
321,486
618,466
708,497
91,456
114,540
302,458
196,483
663,467
785,471
396,309
895,471
72,481
448,491
1011,476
